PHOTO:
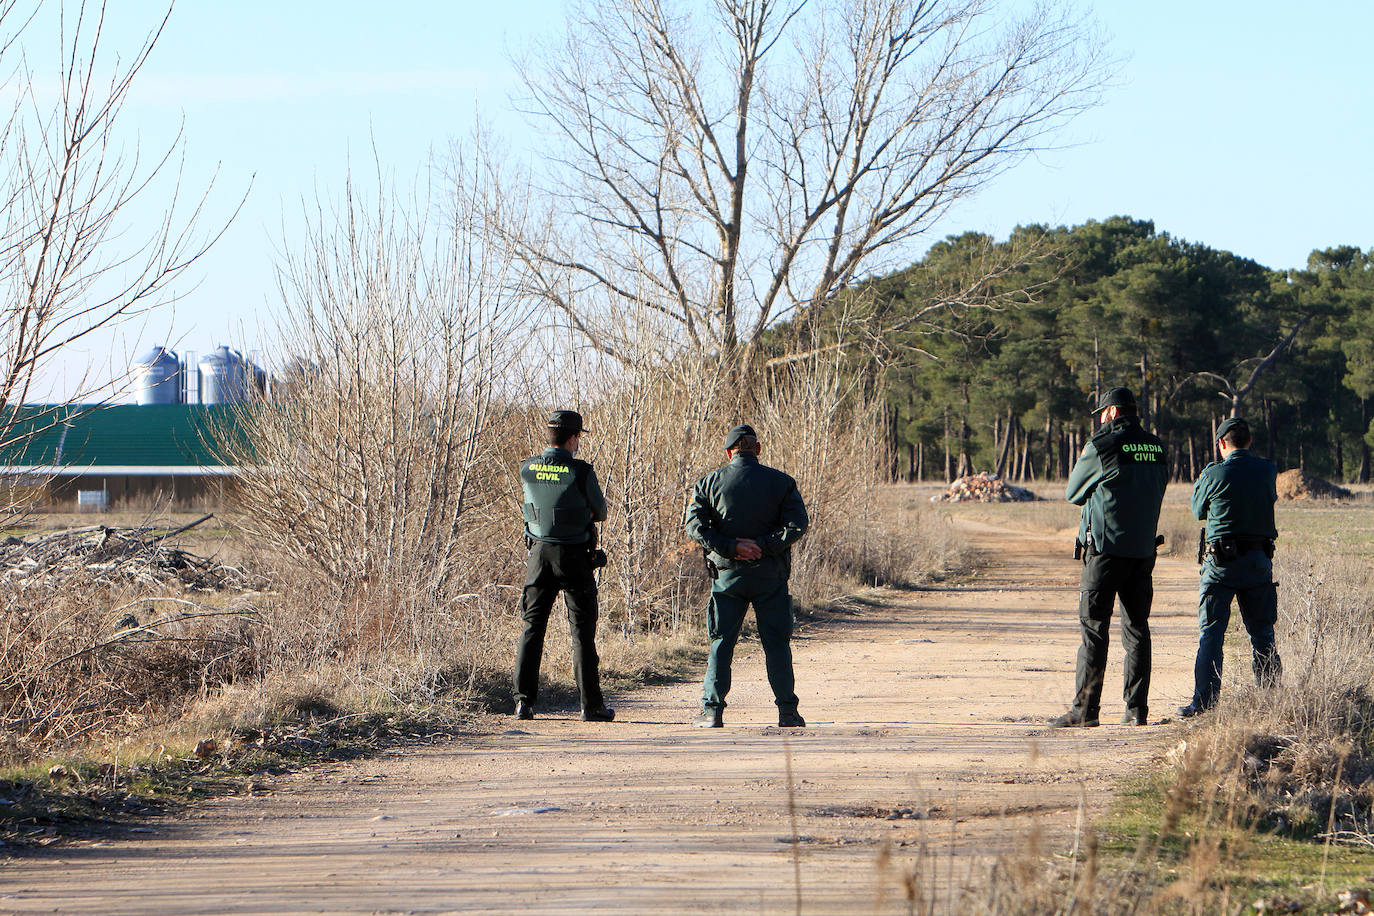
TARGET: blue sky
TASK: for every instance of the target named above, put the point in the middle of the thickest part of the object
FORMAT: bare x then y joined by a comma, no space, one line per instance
1243,125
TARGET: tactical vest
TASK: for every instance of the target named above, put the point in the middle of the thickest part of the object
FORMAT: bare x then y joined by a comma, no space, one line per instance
555,498
1125,448
1123,511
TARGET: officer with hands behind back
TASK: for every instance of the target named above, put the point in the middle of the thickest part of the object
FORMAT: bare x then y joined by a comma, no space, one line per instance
1235,497
746,516
1119,481
562,504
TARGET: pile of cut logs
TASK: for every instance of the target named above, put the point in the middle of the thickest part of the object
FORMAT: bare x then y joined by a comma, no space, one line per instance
984,488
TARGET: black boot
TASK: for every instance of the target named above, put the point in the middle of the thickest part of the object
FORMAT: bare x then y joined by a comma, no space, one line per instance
599,714
1074,718
524,710
790,718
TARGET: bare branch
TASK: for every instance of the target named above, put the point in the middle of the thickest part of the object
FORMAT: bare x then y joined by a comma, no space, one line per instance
752,158
68,258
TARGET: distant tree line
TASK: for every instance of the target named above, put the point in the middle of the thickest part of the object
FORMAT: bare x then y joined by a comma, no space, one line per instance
1198,334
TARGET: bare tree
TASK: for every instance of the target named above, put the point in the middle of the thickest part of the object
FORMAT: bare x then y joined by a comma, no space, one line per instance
367,469
72,261
725,166
1235,394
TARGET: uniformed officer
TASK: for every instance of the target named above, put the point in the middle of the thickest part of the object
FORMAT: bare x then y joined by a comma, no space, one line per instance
1119,481
1236,498
562,503
747,516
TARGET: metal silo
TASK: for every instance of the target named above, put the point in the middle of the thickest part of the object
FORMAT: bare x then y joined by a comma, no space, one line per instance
223,377
190,378
157,378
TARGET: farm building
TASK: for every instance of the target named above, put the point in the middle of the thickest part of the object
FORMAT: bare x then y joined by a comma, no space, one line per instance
116,455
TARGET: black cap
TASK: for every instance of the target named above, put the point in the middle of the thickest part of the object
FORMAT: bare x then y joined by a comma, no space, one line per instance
1115,397
569,420
1233,423
739,432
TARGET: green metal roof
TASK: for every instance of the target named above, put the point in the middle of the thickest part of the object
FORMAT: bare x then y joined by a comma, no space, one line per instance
125,435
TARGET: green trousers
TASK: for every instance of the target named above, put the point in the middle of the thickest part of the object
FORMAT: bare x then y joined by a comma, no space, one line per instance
730,599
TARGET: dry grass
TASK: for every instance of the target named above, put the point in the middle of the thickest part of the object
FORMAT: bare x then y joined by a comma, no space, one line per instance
80,662
1304,750
1183,841
909,541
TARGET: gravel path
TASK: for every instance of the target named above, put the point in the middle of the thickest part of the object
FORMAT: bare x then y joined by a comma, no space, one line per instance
924,713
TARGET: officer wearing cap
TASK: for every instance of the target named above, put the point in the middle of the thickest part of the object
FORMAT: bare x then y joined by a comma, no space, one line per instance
1119,481
1235,497
562,504
746,517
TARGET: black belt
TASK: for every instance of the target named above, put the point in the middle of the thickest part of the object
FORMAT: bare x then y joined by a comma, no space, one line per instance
1230,546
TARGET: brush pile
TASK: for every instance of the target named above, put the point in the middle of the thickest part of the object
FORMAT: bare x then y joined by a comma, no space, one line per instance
99,554
984,488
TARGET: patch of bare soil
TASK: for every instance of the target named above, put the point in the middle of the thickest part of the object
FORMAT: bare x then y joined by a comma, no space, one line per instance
1298,484
924,713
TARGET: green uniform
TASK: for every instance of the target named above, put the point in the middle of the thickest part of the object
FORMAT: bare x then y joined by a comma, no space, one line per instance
746,499
1236,499
562,501
1119,481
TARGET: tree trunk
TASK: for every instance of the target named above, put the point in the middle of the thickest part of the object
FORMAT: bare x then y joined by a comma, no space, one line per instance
1017,459
1144,400
1302,442
949,458
1006,443
1364,443
1097,371
1050,444
997,447
894,471
1272,425
1027,453
1337,454
965,463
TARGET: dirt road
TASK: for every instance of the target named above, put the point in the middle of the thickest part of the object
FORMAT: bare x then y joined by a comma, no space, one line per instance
924,719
